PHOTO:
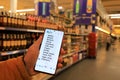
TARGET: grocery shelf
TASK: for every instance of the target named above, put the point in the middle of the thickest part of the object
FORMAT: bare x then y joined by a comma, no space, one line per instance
47,76
37,31
70,54
59,16
67,55
60,70
12,52
19,29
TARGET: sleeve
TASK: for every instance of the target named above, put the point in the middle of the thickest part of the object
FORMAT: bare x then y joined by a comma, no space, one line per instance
13,69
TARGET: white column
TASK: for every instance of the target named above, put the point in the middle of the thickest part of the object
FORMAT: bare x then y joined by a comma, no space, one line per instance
13,6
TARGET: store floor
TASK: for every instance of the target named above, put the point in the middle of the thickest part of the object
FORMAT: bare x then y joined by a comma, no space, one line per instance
106,66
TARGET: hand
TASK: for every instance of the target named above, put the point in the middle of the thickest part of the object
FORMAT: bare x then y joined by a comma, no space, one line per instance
31,56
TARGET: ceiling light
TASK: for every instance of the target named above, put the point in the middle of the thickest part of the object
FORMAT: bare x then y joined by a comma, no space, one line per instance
60,7
105,31
116,25
1,7
24,10
115,17
96,27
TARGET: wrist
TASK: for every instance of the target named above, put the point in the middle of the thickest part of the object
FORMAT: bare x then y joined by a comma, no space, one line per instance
29,68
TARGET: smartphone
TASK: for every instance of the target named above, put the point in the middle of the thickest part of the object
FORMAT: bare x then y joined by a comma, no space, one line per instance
49,51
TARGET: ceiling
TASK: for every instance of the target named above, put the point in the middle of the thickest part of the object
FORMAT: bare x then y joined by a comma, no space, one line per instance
111,6
21,4
26,4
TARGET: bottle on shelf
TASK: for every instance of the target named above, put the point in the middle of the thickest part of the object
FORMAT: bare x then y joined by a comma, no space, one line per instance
4,42
12,20
19,21
1,42
8,42
15,20
33,35
23,41
33,22
3,19
18,41
15,40
9,20
28,39
39,23
12,41
0,18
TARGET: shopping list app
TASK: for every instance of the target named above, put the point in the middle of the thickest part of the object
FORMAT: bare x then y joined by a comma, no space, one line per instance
49,51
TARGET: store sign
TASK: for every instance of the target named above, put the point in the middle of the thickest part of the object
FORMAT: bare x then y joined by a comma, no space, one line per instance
85,11
42,9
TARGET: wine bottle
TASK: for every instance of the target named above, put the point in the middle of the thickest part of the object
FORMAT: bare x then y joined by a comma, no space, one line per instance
30,22
18,41
29,39
33,22
2,13
5,19
11,17
7,15
1,41
33,37
19,22
11,41
15,41
24,41
22,25
13,20
9,20
0,18
4,41
7,42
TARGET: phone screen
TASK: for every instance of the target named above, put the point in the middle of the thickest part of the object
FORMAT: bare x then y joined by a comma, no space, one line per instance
49,51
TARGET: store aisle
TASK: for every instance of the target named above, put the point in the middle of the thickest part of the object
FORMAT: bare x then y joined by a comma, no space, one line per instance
105,67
